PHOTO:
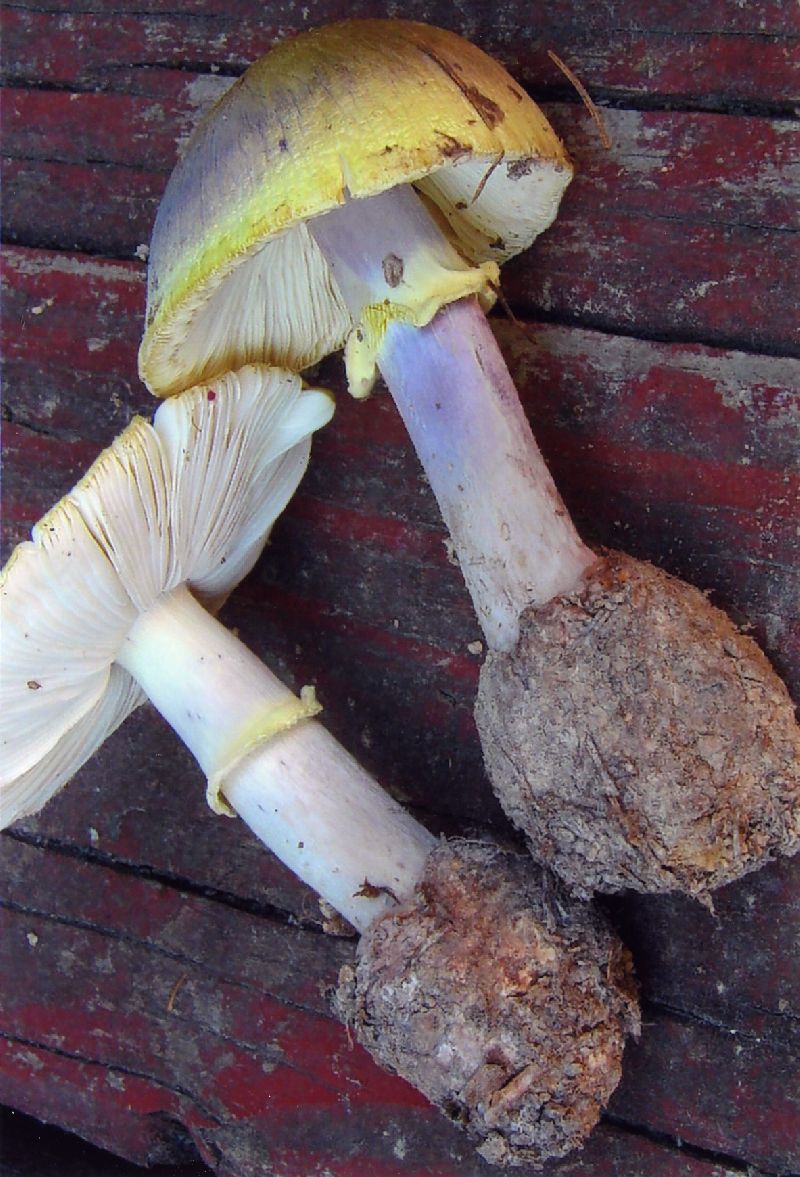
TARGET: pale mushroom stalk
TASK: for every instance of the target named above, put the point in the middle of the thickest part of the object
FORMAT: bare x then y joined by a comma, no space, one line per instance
106,593
303,795
514,539
106,604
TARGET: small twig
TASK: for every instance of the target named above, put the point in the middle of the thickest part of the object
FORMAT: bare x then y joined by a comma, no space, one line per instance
496,163
583,93
176,988
506,307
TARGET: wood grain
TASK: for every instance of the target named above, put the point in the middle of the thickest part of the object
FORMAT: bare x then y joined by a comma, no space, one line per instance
722,53
165,978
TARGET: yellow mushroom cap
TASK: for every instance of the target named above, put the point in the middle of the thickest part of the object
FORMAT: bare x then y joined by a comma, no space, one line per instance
348,110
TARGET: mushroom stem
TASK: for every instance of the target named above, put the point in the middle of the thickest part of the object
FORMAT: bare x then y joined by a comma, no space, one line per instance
511,531
299,790
514,538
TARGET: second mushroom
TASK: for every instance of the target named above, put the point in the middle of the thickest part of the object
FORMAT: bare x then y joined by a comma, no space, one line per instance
368,178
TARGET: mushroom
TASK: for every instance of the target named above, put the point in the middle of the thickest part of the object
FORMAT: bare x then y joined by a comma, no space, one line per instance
506,1003
367,179
172,511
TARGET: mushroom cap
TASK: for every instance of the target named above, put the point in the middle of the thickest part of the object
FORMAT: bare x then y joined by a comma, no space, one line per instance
348,110
191,499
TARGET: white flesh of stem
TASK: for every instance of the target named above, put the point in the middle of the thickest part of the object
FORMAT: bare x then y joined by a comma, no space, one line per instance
511,531
301,792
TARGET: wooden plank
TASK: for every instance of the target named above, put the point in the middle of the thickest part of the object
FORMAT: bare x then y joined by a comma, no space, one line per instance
725,54
107,211
129,130
725,284
754,985
158,1005
714,168
725,1089
646,206
688,454
718,16
747,165
709,282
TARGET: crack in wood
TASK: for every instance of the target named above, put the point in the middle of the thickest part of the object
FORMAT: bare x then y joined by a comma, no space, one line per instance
255,907
656,102
87,161
666,1140
114,1068
47,245
695,1017
603,326
10,416
202,966
717,222
272,1055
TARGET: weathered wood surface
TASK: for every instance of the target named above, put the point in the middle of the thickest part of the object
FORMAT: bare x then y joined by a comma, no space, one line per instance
164,978
726,260
722,53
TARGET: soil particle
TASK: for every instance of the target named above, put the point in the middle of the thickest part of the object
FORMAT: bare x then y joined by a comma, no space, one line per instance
393,269
518,168
500,998
639,739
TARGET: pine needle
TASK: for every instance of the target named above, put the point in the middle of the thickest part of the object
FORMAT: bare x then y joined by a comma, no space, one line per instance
525,328
583,94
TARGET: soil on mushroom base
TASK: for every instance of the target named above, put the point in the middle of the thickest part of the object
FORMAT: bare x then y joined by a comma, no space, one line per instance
504,1001
639,739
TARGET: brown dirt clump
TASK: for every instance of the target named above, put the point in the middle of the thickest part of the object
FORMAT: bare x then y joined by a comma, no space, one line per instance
639,739
505,1002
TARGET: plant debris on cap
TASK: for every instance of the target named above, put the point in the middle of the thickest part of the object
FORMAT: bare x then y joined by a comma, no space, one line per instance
504,1001
639,739
189,499
345,111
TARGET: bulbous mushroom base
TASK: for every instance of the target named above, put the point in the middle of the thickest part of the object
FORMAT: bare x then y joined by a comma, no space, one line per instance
639,739
503,1001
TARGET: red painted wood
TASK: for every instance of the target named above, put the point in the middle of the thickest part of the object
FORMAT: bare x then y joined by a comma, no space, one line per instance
679,451
726,282
145,1001
718,16
725,54
659,201
130,130
108,211
715,168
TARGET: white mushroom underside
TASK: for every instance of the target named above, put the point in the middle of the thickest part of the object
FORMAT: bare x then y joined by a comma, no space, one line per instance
190,498
280,305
